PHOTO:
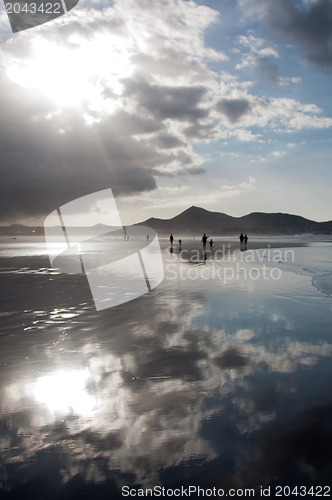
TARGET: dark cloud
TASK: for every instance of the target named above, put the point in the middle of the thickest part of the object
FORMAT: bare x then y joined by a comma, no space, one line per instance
231,358
310,27
167,141
172,362
169,102
302,442
42,168
202,131
234,109
268,69
45,162
52,152
195,171
111,441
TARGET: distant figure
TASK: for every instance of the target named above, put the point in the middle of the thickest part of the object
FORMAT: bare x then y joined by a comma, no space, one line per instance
147,238
211,243
241,238
204,240
245,241
171,239
180,243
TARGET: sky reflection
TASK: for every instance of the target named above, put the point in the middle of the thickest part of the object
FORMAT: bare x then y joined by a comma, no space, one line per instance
190,378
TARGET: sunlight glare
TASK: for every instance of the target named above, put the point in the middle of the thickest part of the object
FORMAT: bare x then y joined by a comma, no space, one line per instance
64,392
83,73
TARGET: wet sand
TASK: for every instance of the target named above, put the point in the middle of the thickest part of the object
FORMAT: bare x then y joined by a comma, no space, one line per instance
201,382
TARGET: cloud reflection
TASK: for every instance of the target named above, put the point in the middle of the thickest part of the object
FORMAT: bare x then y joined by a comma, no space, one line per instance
138,397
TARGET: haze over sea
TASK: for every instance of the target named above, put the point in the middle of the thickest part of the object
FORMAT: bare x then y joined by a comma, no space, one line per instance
220,377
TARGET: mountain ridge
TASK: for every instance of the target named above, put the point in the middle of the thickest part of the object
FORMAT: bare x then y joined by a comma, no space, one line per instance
195,219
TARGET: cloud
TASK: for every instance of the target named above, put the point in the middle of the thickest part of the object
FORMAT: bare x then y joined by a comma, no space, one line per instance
234,109
304,439
166,102
181,196
139,404
287,113
262,59
229,191
78,115
118,98
231,358
309,26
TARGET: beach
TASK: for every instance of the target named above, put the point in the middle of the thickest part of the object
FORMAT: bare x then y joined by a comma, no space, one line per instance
220,378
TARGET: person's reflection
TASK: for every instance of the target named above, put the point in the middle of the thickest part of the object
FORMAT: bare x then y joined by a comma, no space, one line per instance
211,247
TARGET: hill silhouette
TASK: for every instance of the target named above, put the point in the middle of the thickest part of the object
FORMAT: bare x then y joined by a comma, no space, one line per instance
196,220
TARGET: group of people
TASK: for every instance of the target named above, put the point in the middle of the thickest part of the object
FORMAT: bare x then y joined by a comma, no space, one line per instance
243,242
171,239
204,241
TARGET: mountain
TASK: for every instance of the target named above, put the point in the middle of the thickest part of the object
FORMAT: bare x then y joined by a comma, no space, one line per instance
196,220
20,230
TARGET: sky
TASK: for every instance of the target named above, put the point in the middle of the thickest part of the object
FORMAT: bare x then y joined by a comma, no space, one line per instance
222,104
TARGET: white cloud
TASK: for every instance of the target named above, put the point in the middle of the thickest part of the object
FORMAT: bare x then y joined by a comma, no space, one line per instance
261,58
278,154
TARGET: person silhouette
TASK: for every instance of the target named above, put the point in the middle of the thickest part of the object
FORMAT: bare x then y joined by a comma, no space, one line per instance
204,240
241,238
171,239
245,241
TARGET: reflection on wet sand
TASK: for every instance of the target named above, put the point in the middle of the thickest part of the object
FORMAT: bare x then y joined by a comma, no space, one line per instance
191,384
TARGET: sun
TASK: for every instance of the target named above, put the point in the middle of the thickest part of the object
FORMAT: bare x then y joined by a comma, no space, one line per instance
64,392
80,72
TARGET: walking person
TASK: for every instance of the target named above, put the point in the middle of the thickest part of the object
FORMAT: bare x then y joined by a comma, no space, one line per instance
245,241
241,238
